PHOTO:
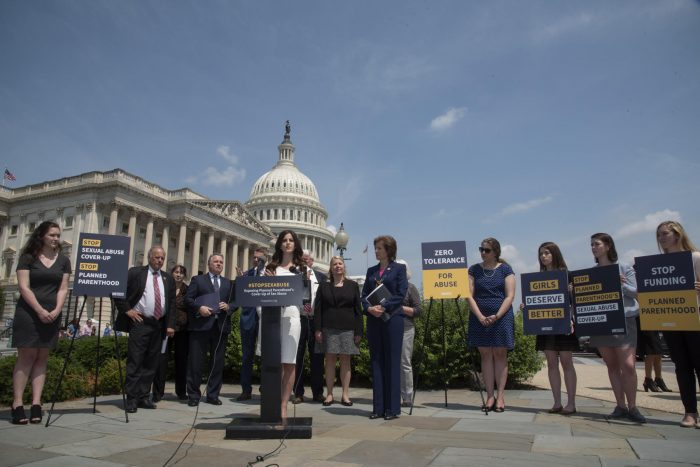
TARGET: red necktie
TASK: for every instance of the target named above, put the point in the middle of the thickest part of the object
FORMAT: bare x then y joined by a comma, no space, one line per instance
157,308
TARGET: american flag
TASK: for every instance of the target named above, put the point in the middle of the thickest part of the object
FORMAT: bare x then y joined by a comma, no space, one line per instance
9,176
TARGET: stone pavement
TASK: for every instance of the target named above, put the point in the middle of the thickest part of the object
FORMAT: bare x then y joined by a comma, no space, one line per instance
438,436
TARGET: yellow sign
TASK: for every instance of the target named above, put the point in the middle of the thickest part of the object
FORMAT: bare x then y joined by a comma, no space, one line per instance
546,313
89,266
445,283
669,311
92,242
537,286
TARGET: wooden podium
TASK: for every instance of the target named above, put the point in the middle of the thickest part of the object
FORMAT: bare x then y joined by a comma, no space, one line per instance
270,424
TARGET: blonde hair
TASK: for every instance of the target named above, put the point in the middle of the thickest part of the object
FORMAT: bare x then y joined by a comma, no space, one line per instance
677,228
330,267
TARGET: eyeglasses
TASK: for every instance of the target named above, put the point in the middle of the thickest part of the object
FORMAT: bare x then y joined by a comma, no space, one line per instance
485,250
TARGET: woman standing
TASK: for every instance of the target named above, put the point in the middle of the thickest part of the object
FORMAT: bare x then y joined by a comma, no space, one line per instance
558,348
180,342
491,322
287,261
42,276
618,351
411,308
385,328
338,324
684,345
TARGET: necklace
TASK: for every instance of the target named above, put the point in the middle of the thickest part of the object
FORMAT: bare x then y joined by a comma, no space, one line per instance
493,271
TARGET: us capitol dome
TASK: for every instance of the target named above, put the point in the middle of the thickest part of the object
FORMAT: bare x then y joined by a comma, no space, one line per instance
285,198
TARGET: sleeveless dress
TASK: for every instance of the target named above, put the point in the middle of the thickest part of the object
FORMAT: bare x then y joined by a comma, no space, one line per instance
27,328
290,328
489,293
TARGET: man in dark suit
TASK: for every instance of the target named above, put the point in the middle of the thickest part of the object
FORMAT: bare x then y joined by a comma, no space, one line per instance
147,313
307,340
209,298
249,331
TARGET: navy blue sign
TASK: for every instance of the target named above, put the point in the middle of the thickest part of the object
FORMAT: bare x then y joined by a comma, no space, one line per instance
598,303
269,291
101,266
546,299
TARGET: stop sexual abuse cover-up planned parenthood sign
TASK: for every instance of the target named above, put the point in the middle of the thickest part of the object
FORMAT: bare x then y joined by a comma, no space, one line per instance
598,303
101,266
546,300
445,270
666,292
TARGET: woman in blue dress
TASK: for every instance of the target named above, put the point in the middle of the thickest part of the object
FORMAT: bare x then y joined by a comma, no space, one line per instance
491,322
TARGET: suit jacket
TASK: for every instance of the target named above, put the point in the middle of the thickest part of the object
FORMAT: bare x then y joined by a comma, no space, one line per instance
135,286
320,278
201,285
394,279
249,315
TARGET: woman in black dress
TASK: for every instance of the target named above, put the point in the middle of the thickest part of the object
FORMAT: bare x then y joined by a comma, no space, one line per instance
338,324
42,276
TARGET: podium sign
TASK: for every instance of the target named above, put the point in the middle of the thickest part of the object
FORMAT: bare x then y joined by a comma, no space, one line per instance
666,292
546,300
101,266
269,291
445,270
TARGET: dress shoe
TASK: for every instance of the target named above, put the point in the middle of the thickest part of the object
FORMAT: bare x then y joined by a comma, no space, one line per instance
347,403
373,416
662,385
298,400
650,385
391,417
193,402
556,409
245,396
568,412
319,398
130,406
328,403
146,404
213,401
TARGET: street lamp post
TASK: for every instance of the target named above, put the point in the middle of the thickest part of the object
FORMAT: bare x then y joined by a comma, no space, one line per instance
341,241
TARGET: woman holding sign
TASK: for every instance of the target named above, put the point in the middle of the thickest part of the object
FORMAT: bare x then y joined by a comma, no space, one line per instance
491,322
618,351
42,277
684,345
385,328
558,348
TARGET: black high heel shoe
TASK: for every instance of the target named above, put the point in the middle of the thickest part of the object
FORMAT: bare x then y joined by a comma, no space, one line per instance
35,415
18,416
650,385
661,385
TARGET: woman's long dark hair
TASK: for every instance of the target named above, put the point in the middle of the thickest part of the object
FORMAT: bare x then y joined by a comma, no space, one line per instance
277,256
557,258
36,240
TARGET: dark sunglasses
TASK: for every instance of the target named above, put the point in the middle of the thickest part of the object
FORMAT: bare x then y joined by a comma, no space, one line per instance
485,250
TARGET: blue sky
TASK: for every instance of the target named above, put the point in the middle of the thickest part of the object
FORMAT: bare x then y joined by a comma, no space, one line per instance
445,120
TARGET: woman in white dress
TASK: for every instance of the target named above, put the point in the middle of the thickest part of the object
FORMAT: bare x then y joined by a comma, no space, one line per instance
286,261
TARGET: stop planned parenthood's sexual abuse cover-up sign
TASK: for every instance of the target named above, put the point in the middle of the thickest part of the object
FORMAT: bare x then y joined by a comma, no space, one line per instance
102,265
269,291
666,293
546,300
445,270
598,303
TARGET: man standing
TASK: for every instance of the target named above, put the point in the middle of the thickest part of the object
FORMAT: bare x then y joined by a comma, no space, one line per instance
209,297
147,311
249,331
307,340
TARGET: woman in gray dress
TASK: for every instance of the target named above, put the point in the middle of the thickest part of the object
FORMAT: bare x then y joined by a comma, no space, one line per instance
338,324
42,276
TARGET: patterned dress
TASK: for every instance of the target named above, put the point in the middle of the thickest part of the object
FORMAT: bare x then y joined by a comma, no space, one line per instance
489,293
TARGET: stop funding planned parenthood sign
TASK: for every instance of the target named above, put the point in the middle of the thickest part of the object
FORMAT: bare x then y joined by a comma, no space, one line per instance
102,265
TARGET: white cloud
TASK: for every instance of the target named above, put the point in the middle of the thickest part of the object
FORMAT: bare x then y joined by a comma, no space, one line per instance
649,223
629,255
448,119
525,206
228,176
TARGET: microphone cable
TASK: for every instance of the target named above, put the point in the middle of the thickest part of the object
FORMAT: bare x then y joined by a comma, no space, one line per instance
211,372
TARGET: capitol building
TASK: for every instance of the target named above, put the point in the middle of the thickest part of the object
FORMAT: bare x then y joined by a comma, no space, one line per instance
188,225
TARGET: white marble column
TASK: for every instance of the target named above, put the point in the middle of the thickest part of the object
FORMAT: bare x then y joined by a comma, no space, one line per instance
77,227
195,249
210,244
181,241
223,246
148,242
234,259
246,256
113,218
165,239
132,236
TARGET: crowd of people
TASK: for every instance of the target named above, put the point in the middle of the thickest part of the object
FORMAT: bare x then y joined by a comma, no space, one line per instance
195,318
